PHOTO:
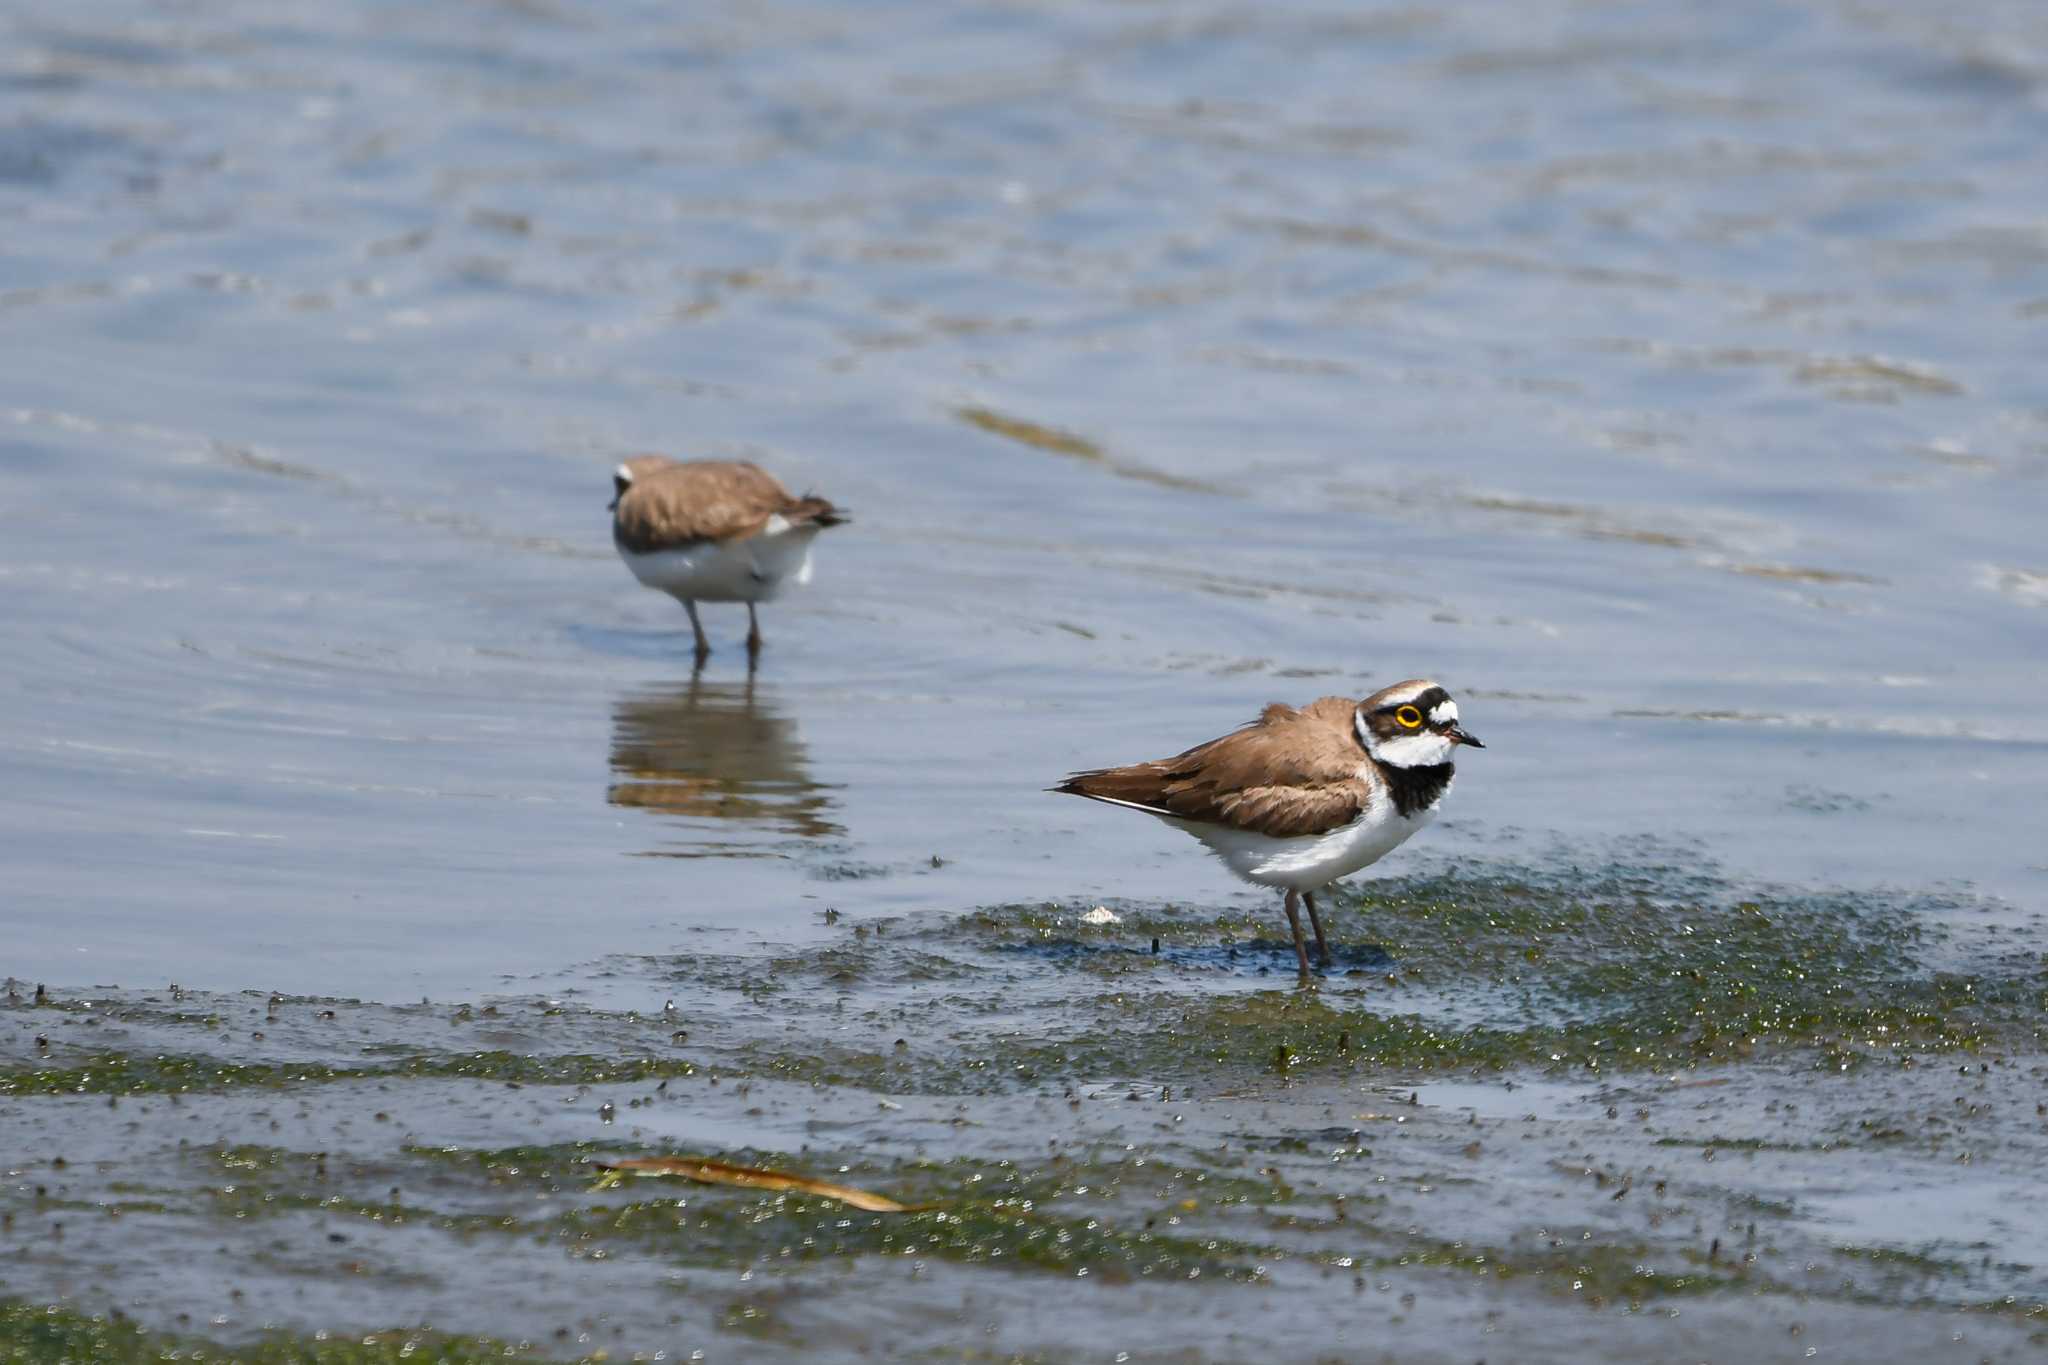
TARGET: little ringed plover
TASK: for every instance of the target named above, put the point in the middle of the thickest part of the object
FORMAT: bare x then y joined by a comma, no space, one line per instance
714,531
1299,798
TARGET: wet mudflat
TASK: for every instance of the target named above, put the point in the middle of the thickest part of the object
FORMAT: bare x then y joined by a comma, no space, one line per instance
1637,1114
372,864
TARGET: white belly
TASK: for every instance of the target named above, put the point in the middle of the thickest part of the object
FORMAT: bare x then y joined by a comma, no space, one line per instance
1316,860
750,570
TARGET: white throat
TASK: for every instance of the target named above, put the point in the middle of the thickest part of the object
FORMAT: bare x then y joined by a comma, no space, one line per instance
1422,749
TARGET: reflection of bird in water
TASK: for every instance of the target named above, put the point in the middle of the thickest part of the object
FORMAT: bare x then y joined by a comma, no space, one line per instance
715,751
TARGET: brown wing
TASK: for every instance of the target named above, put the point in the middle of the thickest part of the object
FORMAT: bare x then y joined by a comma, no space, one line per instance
1289,773
674,505
640,466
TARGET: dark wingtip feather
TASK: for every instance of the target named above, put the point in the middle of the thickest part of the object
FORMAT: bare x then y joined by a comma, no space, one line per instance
1118,786
816,512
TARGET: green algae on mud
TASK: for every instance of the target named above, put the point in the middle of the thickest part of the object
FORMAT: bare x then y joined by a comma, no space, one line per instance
1138,1220
1203,1125
1617,970
789,1230
51,1335
1597,1275
117,1074
972,1211
1624,970
1628,970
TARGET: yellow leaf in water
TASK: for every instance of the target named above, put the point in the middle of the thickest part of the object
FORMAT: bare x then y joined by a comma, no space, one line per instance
753,1178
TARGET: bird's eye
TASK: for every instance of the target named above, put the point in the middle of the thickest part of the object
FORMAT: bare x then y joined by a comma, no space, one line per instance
1409,717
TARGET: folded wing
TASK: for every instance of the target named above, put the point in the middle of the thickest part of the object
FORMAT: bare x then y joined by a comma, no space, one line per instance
675,506
1289,774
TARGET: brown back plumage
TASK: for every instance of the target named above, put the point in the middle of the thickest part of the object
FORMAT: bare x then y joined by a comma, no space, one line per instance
669,504
1289,773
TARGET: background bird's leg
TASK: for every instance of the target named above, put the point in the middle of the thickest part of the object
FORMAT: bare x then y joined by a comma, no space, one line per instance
1308,898
753,633
1294,919
703,645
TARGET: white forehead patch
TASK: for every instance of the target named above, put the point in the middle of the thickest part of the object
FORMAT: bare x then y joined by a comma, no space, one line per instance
623,474
1446,713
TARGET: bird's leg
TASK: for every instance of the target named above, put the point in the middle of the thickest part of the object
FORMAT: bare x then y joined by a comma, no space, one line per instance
703,644
1308,898
1294,919
753,634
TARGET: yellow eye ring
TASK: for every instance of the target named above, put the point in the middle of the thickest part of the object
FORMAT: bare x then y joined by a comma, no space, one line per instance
1409,717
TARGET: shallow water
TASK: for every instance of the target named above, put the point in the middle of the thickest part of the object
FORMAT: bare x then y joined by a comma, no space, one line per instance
1665,381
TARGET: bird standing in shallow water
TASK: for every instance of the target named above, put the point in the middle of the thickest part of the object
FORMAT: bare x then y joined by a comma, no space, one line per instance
714,531
1299,798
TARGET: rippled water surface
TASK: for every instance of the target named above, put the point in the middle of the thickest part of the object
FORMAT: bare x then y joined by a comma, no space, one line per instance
1665,379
